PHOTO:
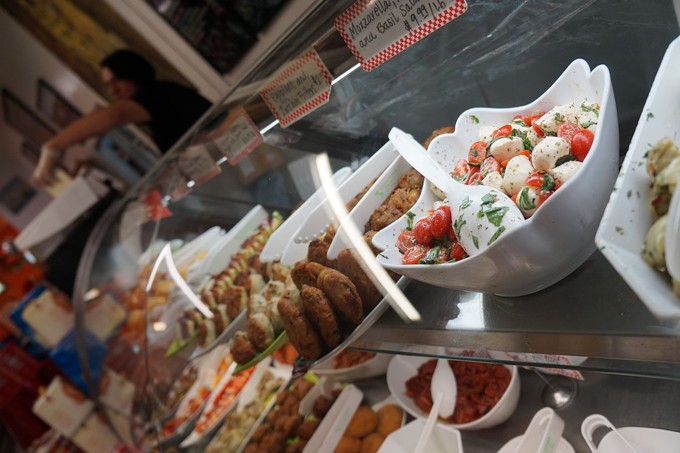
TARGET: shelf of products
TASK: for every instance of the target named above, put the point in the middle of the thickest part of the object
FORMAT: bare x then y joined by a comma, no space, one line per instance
212,223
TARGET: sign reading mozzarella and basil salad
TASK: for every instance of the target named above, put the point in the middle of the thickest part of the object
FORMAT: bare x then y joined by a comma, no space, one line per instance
377,30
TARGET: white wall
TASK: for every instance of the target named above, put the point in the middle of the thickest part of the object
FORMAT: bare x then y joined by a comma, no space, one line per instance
23,60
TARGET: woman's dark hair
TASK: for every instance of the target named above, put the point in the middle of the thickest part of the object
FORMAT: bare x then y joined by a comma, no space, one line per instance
129,65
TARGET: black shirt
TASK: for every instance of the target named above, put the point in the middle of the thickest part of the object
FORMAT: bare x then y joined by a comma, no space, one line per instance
173,109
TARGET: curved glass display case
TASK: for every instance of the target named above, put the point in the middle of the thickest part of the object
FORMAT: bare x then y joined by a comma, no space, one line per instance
206,210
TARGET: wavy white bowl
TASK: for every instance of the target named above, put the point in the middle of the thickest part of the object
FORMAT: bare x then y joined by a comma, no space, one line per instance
559,236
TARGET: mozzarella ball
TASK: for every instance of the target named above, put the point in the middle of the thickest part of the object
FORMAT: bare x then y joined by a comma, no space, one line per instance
506,148
560,114
588,116
516,173
527,201
564,172
547,152
531,134
493,179
485,133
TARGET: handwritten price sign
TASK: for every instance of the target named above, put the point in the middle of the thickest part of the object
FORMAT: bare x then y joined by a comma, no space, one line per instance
377,30
197,164
298,89
236,136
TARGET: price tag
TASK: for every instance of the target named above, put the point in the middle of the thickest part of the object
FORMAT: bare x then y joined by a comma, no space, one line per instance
236,136
377,30
298,89
197,164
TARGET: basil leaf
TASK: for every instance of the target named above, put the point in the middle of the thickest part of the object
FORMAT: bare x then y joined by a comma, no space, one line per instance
489,198
558,118
474,119
475,240
430,257
548,183
466,203
458,224
519,122
495,215
588,124
525,202
409,220
525,139
488,146
496,235
587,108
564,159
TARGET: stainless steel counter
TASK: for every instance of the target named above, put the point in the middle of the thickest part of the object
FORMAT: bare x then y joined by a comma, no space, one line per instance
592,313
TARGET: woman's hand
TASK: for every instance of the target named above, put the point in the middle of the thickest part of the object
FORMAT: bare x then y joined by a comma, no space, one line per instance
43,175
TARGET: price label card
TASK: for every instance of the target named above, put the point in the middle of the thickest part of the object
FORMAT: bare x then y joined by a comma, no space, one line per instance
377,30
237,136
298,89
197,164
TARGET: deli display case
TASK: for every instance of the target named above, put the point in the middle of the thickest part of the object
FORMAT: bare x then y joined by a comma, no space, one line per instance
185,253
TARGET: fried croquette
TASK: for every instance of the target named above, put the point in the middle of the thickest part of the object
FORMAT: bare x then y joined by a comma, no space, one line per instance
242,349
390,417
306,273
369,294
364,422
319,311
371,443
343,295
348,444
260,331
300,331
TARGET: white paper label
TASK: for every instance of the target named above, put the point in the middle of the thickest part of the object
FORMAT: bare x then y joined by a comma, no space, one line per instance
377,30
237,136
197,164
298,89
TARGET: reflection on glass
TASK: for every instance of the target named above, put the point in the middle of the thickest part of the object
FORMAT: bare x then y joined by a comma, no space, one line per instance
471,315
366,259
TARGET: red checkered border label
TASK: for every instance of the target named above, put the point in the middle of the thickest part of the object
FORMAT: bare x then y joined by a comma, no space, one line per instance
402,44
288,119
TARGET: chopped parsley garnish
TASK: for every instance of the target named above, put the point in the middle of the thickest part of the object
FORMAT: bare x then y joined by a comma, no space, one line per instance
409,220
564,159
458,224
475,240
489,198
474,119
558,118
587,108
496,235
650,115
480,213
548,183
525,202
629,194
495,215
587,124
466,203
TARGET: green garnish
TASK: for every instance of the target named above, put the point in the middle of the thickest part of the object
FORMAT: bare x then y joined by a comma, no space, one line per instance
431,256
523,136
409,220
548,183
293,441
519,122
489,198
587,108
475,240
458,224
495,215
488,146
525,202
474,119
466,203
588,124
564,159
558,118
496,235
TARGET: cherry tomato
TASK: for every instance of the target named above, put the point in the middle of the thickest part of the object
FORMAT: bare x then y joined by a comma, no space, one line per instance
441,222
406,240
540,182
457,252
538,130
475,177
567,130
443,254
503,131
477,152
414,254
451,234
489,165
543,197
461,171
529,119
581,143
423,231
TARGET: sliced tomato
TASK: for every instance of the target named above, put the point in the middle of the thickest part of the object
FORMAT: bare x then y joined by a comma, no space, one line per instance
475,177
503,131
538,130
529,119
414,254
543,196
461,171
441,222
406,240
567,130
451,235
443,254
489,165
423,231
581,142
541,182
477,152
457,252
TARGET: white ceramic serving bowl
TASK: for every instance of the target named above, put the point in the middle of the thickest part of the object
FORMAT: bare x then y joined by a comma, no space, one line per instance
402,368
559,236
375,366
627,219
